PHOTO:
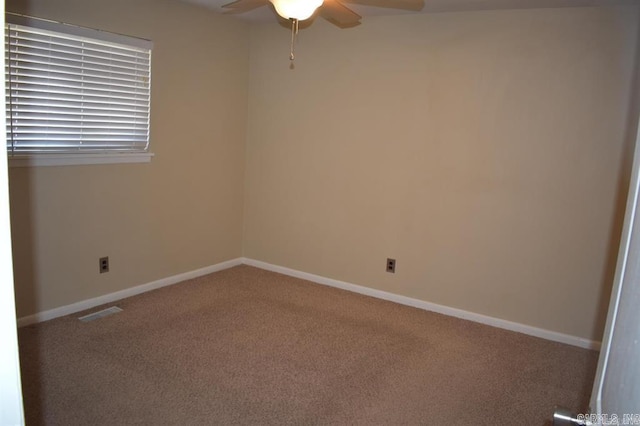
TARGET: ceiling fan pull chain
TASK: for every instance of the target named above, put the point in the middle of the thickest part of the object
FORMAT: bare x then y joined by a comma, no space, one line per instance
294,33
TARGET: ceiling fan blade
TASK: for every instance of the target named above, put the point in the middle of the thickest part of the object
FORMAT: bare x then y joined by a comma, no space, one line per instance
241,6
414,5
339,15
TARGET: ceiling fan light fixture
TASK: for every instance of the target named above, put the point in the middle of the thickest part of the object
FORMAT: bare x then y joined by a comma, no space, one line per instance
296,9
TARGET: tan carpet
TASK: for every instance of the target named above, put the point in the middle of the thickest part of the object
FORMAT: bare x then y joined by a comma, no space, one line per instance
247,346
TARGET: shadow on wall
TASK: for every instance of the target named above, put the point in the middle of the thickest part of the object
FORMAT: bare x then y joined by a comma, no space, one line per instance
23,232
633,121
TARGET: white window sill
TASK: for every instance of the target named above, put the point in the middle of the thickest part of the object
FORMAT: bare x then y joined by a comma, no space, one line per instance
39,160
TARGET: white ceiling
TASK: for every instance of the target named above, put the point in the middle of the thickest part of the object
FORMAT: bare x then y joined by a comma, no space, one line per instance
431,6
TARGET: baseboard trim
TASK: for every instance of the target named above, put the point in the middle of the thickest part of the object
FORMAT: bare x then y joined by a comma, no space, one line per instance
112,297
428,306
403,300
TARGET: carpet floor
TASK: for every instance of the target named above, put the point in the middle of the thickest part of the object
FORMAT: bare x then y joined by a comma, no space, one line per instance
248,346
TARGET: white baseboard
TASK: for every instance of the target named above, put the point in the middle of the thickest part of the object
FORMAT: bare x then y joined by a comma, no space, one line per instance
433,307
112,297
403,300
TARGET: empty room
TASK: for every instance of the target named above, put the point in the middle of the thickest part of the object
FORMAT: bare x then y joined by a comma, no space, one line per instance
381,212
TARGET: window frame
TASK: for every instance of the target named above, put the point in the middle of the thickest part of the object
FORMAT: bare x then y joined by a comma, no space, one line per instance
78,157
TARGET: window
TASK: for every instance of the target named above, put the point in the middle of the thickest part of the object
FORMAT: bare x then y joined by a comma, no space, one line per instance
75,93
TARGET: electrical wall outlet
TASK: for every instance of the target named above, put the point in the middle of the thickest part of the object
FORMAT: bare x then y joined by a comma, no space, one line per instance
391,265
104,264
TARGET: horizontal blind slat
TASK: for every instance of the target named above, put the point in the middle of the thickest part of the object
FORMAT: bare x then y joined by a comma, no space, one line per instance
25,83
25,52
77,98
70,67
26,37
66,93
87,119
128,80
62,111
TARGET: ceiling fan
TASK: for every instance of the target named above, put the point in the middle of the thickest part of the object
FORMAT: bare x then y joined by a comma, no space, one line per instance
334,11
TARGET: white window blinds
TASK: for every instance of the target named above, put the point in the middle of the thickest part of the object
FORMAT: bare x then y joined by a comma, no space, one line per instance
70,93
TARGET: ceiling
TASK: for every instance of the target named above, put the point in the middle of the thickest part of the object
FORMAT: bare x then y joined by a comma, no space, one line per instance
431,6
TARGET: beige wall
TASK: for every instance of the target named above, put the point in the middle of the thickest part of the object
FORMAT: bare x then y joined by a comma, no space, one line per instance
180,212
485,151
482,150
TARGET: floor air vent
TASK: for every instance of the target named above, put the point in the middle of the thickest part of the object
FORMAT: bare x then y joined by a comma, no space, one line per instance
100,314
